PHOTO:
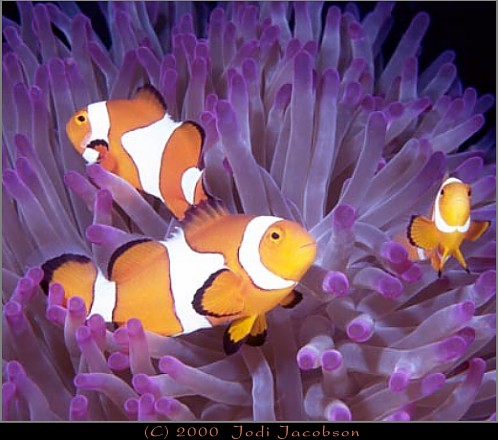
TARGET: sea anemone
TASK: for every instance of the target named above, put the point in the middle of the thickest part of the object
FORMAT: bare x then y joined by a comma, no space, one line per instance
304,119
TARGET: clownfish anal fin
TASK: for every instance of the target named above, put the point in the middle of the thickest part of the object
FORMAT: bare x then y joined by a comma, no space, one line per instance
291,300
237,333
476,229
202,215
257,335
220,295
422,233
150,94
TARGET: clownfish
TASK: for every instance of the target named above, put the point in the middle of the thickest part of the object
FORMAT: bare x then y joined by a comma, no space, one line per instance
441,236
137,140
215,269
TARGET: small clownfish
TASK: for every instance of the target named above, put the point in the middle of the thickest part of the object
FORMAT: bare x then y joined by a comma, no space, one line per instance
216,269
137,140
438,238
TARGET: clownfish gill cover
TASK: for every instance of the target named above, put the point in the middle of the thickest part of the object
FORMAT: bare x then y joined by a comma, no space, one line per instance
234,211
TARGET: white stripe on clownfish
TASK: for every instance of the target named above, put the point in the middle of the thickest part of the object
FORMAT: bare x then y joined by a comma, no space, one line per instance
104,297
100,123
186,279
250,258
189,182
146,147
438,219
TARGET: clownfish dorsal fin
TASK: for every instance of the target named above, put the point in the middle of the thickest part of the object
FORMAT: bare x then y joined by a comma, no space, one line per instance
257,335
151,95
202,215
220,295
237,333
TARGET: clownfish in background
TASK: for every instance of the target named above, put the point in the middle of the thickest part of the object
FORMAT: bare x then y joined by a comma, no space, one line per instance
441,236
137,140
216,269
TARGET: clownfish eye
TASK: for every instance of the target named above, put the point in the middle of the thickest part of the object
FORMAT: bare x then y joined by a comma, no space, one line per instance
442,192
275,236
80,119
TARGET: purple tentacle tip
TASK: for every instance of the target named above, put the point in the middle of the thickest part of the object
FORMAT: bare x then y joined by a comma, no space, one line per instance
336,283
485,285
307,358
76,307
390,287
394,252
331,360
83,335
344,217
118,361
451,348
399,380
338,412
78,408
398,416
170,365
141,383
361,328
432,383
412,274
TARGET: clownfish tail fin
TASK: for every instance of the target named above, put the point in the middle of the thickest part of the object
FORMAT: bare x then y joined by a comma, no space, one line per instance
181,182
75,273
65,264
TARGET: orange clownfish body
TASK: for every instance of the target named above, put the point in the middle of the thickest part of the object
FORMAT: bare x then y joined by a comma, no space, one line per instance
216,269
441,236
137,140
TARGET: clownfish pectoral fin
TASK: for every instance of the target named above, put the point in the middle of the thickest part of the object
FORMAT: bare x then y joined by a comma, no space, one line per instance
151,95
257,335
476,229
423,233
237,333
75,273
220,295
291,300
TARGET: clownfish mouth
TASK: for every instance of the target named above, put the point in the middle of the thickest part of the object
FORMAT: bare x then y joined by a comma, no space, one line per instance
311,243
98,142
95,151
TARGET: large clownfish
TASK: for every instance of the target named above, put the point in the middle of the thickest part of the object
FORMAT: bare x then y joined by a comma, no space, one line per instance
216,269
137,140
441,236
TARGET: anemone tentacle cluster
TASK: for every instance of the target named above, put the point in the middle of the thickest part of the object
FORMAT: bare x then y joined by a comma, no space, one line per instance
303,120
